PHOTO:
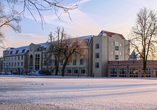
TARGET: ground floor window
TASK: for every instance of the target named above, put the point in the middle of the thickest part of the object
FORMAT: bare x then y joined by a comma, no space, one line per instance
133,72
148,73
83,71
69,71
113,72
122,72
75,71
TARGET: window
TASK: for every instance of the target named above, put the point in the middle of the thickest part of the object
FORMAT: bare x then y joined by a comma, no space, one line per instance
116,57
83,71
4,64
116,48
68,62
18,57
113,72
116,43
97,46
96,55
17,51
75,71
111,43
81,61
61,62
9,64
69,71
15,58
133,72
21,63
23,50
112,53
11,52
12,64
96,65
148,73
18,64
74,62
21,57
120,53
37,60
4,58
122,72
15,63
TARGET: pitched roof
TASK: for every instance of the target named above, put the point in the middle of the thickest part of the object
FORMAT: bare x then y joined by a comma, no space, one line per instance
133,56
106,33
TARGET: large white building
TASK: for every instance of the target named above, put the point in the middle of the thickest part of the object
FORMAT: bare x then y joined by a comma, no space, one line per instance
106,46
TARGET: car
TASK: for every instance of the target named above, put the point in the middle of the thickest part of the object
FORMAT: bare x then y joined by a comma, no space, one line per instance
33,73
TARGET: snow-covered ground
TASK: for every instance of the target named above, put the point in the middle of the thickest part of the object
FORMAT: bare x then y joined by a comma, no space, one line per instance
80,93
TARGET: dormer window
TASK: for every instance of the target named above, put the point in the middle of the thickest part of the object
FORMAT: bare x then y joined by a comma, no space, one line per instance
23,50
11,52
17,51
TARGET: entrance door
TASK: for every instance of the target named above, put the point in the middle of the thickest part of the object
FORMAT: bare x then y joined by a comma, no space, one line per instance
155,73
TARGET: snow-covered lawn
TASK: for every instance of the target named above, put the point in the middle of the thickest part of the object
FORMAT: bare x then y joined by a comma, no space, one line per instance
81,93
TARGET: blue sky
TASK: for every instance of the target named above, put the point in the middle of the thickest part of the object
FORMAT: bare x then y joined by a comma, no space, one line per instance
89,18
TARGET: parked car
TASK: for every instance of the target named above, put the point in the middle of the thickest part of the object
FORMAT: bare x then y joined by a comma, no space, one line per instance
33,73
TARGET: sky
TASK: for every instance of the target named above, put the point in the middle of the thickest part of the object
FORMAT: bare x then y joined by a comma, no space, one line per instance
89,18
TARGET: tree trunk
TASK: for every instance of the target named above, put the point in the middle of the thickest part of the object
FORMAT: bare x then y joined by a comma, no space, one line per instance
56,65
64,65
144,67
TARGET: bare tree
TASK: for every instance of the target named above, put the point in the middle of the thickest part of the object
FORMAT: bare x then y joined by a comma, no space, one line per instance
73,47
9,20
144,33
64,48
54,42
57,6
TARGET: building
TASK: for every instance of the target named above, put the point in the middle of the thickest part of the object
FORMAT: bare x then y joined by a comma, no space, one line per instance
131,68
106,46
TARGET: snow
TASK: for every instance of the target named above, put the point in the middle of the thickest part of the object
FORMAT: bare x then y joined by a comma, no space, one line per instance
84,93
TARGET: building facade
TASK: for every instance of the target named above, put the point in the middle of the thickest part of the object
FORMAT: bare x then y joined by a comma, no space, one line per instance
131,68
106,46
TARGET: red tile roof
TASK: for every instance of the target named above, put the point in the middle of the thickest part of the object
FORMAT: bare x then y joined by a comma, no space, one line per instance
106,33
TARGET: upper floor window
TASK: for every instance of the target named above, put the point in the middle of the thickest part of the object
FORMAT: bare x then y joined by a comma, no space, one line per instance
4,58
21,63
112,53
116,57
18,57
15,58
11,52
97,46
116,43
15,63
116,47
23,50
120,44
21,57
18,64
120,53
96,55
74,62
81,61
111,43
68,62
4,64
61,62
96,65
17,51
